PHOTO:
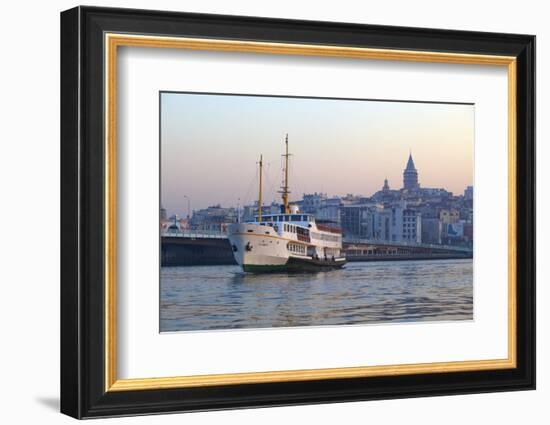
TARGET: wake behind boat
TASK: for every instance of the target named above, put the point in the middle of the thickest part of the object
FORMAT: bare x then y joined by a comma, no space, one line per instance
289,241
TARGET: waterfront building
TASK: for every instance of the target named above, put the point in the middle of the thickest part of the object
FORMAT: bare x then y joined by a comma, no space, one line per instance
406,224
311,202
360,220
214,218
351,218
469,193
455,230
469,233
329,210
393,222
432,229
250,211
449,216
375,222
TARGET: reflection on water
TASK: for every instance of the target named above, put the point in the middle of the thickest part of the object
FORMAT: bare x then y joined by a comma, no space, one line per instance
223,297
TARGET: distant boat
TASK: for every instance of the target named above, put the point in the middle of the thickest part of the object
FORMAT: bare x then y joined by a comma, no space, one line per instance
289,241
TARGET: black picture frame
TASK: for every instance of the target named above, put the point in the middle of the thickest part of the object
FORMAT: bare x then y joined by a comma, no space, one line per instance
83,392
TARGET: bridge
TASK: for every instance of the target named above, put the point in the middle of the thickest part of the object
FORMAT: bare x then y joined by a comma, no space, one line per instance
402,244
377,250
366,243
195,248
182,247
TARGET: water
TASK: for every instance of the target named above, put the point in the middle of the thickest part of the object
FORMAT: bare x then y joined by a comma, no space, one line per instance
223,297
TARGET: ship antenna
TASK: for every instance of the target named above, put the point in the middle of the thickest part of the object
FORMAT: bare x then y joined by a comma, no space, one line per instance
285,191
260,193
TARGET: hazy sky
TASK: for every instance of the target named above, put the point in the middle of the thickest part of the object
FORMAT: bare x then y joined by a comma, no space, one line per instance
210,146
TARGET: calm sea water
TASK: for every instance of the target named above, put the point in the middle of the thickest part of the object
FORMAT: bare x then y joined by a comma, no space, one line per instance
223,297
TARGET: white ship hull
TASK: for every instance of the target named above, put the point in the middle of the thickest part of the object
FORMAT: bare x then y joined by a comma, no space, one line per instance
258,248
252,246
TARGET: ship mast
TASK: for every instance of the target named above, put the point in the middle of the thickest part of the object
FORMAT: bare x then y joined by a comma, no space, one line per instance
284,188
260,193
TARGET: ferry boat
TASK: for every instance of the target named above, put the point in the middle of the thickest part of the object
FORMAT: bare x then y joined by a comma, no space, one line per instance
290,241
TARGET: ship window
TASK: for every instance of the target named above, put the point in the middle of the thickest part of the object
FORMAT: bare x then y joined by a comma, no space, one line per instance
295,218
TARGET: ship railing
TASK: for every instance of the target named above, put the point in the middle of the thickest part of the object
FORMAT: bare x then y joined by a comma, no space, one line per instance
194,234
330,229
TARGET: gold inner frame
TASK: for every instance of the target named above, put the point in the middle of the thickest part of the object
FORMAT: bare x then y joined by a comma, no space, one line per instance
113,41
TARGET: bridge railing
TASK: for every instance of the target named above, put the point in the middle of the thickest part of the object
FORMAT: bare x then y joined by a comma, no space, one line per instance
405,244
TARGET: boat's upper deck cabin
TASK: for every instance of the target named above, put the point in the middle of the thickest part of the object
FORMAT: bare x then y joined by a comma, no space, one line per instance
286,218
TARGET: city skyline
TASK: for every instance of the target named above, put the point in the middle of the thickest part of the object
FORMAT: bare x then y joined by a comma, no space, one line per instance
339,147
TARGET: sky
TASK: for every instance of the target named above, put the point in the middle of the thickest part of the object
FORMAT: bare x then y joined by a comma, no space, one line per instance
211,144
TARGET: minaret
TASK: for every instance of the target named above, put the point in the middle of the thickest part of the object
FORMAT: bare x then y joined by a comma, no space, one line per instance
386,186
410,175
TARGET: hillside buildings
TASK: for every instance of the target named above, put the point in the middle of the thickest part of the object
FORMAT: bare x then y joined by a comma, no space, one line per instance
410,214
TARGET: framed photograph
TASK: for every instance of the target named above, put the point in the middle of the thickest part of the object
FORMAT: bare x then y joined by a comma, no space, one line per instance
261,212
